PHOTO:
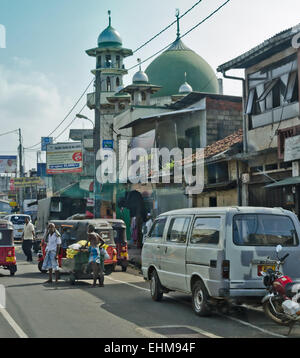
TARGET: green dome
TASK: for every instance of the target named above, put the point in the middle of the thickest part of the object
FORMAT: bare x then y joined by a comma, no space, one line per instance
168,69
109,37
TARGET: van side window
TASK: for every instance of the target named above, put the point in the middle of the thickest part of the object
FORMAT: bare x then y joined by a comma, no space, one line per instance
157,228
178,228
206,231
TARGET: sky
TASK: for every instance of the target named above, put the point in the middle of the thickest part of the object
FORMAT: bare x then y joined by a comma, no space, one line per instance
44,68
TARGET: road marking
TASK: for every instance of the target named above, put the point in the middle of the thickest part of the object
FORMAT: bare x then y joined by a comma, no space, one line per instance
231,318
147,333
13,323
253,326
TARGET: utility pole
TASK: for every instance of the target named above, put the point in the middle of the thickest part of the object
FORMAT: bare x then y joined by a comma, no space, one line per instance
96,141
21,170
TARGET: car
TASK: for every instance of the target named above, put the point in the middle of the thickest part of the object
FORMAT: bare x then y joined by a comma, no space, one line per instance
18,221
217,254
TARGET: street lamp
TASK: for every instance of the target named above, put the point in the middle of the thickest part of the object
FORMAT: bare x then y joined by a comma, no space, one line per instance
78,115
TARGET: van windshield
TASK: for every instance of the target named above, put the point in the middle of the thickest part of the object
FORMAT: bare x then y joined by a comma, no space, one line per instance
264,230
18,220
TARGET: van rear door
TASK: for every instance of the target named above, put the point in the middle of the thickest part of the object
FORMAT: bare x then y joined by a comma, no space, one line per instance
251,240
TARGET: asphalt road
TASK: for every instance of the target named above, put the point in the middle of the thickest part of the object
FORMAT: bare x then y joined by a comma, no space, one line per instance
121,309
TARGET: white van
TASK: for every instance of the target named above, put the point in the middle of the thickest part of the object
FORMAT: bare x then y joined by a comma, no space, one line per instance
218,253
18,221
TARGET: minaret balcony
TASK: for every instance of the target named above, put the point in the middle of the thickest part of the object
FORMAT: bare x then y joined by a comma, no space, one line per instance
91,99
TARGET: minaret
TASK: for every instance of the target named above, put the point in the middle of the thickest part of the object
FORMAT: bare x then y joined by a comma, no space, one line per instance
109,59
109,55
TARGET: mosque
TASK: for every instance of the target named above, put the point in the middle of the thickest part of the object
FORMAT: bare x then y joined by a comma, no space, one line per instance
169,102
175,73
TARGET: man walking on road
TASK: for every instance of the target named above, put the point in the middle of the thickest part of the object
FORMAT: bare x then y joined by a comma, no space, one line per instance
53,241
27,239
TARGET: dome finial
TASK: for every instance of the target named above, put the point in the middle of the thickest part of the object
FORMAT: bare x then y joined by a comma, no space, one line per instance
109,17
178,24
139,62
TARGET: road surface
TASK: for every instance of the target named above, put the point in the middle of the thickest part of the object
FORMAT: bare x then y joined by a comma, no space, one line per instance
121,309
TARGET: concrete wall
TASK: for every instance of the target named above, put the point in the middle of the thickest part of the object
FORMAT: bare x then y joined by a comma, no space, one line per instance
224,198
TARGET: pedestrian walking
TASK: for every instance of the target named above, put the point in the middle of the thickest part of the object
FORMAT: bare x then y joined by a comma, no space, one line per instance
95,259
147,226
27,239
53,241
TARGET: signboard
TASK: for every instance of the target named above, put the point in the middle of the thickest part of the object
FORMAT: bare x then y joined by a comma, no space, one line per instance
292,148
107,144
41,169
8,163
45,141
64,158
26,182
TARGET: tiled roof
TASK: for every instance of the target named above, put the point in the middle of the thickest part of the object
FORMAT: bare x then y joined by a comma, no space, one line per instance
218,147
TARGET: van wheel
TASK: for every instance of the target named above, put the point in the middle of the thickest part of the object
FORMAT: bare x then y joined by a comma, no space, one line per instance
200,298
155,287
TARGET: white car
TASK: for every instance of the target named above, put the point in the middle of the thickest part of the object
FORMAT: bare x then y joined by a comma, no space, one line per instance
18,221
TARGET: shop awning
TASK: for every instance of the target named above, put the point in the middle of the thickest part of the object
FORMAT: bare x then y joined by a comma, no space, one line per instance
287,181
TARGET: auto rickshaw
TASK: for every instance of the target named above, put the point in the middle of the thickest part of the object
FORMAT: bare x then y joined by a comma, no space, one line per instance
7,247
120,239
77,231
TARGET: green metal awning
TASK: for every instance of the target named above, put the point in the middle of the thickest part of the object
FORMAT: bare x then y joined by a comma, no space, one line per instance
287,181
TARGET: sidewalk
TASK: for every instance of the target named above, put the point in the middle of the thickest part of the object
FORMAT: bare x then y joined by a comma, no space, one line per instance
134,255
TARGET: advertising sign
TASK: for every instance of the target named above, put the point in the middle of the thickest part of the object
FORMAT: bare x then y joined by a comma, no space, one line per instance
25,182
8,163
45,141
64,158
292,148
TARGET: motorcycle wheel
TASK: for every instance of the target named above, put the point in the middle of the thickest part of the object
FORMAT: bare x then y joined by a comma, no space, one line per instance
269,311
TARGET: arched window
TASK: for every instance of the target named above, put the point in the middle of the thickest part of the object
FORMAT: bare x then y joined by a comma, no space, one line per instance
108,84
143,96
118,81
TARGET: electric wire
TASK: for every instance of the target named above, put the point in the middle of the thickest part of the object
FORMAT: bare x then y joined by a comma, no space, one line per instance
166,28
14,131
186,33
66,117
193,28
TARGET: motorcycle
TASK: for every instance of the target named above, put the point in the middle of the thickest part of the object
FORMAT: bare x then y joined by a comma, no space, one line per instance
282,302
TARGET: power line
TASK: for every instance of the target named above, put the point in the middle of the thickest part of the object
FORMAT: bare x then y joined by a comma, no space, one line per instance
14,131
68,114
166,28
193,28
69,125
186,33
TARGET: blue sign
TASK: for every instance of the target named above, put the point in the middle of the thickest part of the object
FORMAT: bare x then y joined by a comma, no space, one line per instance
45,141
41,170
108,144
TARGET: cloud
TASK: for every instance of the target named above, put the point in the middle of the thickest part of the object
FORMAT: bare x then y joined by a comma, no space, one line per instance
31,101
